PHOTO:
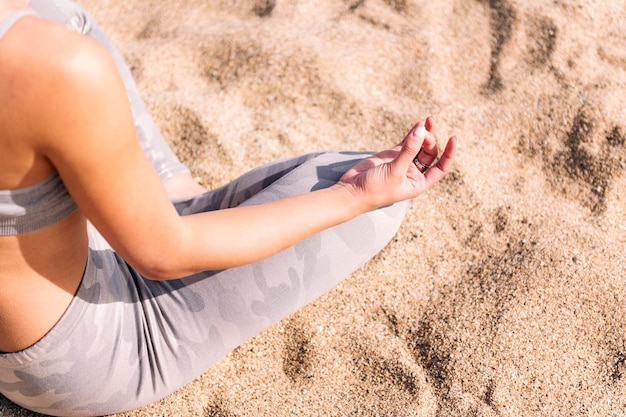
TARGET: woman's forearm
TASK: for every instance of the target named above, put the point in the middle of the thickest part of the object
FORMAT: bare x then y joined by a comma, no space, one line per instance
232,237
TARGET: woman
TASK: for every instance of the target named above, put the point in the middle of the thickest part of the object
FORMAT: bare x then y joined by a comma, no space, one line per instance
106,318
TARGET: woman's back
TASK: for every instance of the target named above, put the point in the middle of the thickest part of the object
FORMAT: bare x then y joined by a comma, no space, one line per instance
41,269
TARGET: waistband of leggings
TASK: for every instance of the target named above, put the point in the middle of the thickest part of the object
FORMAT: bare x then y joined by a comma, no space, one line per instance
63,327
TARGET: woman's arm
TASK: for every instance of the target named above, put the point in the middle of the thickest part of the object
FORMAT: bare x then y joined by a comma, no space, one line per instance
85,128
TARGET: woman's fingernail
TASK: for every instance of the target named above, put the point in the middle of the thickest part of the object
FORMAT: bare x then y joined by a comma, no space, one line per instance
420,132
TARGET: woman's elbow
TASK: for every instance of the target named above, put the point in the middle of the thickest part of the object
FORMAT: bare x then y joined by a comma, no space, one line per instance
160,268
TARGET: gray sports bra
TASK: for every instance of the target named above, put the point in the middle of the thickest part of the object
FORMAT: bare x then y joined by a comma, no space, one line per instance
30,208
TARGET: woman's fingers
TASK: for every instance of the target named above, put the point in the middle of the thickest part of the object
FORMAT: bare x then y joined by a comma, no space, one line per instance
428,152
430,124
444,165
420,148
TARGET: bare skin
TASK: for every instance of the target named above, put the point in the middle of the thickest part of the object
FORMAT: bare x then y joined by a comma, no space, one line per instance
89,139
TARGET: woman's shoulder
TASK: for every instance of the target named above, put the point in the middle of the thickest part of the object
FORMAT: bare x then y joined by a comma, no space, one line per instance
44,67
36,45
50,79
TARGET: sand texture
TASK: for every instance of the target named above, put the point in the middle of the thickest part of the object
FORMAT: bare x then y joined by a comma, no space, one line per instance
503,294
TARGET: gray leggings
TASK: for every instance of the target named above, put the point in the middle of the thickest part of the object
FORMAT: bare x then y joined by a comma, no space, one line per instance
125,341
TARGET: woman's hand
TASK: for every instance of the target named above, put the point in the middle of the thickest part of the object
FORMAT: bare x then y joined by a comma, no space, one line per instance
391,176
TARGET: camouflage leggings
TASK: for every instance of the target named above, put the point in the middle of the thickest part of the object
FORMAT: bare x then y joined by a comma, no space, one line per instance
125,341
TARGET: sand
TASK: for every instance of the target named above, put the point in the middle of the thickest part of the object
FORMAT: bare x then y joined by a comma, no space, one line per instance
503,294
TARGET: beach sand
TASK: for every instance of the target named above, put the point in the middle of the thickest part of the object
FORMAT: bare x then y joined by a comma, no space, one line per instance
503,293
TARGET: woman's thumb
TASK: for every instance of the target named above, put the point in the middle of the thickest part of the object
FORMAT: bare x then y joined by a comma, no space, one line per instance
412,145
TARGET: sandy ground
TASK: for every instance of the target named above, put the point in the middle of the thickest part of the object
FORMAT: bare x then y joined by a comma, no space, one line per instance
503,294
